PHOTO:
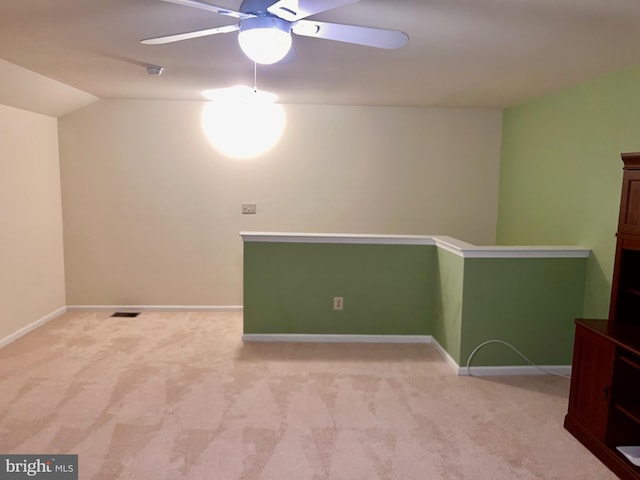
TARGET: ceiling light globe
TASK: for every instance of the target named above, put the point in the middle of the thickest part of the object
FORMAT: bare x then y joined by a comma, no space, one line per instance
265,40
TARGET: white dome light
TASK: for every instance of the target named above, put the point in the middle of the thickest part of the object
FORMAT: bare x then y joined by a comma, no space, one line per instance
243,130
242,122
265,40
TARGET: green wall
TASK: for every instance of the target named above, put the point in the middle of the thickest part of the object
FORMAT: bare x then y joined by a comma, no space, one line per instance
387,289
417,290
561,172
447,328
529,302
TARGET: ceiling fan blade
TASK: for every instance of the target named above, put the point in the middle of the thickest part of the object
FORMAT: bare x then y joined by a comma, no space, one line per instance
292,10
368,36
176,37
210,8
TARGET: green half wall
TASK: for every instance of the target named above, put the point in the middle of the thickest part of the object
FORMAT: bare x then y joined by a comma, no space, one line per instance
458,294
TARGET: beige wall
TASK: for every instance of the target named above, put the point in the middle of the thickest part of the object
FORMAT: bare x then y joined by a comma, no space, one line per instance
152,211
31,254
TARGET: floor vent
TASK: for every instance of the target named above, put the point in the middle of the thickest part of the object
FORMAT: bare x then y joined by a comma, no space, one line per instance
126,314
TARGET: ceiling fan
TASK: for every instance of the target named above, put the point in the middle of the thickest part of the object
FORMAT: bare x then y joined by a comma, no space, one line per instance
265,27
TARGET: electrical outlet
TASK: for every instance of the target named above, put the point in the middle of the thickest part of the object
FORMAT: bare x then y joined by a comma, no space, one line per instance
248,208
338,303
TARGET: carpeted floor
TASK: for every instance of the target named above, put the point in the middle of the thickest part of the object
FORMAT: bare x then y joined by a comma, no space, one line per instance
179,396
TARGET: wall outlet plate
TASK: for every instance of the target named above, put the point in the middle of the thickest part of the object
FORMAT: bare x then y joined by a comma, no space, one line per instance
248,208
338,303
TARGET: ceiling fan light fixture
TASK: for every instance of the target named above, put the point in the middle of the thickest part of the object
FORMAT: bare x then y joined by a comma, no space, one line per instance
266,39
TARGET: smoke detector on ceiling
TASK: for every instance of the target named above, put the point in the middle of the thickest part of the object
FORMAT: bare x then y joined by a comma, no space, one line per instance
155,70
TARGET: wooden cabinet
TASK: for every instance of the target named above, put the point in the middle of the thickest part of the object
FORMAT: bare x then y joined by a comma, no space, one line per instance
624,421
604,401
591,380
625,291
629,221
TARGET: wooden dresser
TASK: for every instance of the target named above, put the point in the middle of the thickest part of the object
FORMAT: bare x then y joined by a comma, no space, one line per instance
604,402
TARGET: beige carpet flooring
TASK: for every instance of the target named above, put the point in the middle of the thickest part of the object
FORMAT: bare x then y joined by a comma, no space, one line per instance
179,396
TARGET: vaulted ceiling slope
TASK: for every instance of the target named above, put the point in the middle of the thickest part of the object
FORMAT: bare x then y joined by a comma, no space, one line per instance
27,90
463,53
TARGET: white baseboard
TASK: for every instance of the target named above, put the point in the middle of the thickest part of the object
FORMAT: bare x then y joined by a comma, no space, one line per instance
119,308
563,370
448,358
322,338
155,308
330,338
32,326
481,371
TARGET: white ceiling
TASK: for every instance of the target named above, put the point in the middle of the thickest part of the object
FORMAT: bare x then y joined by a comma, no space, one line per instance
469,53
